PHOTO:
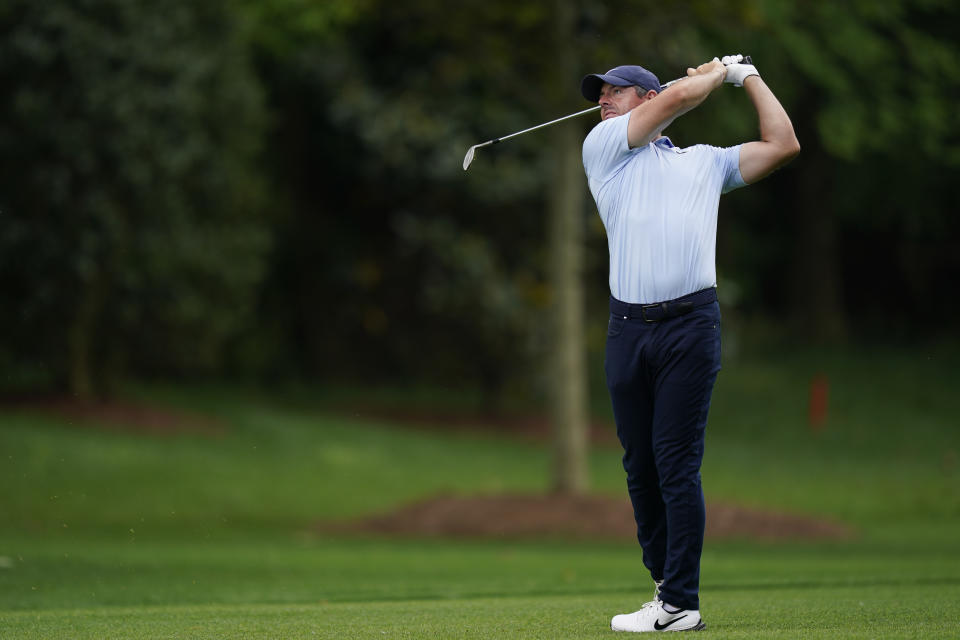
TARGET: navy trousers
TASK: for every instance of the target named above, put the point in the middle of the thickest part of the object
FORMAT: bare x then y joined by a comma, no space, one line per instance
661,364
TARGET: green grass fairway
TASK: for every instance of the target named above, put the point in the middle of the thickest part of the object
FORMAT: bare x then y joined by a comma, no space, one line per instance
111,533
771,615
410,589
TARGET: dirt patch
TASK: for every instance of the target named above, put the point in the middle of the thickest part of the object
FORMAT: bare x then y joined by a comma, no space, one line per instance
122,416
549,515
578,517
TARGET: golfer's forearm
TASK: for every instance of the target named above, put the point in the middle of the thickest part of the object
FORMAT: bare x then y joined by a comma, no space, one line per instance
649,119
775,125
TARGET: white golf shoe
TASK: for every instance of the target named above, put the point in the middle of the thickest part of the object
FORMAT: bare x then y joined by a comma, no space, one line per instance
653,617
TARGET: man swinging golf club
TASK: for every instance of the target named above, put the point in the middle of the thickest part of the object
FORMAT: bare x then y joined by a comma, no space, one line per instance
658,203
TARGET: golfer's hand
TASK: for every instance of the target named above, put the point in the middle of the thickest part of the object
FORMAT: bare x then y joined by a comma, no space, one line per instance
714,66
737,72
707,68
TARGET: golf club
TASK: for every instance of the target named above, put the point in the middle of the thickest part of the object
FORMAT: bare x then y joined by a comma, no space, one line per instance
467,159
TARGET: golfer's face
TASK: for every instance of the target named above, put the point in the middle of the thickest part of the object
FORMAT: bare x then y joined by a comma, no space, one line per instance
615,101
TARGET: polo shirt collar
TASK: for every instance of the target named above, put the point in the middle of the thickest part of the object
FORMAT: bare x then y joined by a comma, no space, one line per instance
665,142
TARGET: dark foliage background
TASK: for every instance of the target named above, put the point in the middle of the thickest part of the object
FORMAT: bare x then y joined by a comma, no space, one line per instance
272,189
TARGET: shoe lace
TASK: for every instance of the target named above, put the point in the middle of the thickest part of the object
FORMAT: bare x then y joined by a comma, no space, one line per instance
656,596
656,602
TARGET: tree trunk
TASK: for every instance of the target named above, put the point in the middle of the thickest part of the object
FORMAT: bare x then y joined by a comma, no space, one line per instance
80,342
816,295
568,375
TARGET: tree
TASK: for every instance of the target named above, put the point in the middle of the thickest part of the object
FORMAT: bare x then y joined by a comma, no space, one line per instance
569,388
127,137
861,213
373,118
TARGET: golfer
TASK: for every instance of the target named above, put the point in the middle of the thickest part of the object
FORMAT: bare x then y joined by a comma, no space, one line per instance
659,203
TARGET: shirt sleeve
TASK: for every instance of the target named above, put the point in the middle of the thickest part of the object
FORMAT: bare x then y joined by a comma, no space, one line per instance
606,148
729,163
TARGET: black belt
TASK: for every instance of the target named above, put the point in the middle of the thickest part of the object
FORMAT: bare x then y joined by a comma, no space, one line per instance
663,310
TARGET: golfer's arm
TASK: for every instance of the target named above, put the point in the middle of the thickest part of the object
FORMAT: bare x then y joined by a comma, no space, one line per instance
778,143
649,119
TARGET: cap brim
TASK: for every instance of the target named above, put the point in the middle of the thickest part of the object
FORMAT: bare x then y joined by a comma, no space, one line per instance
590,85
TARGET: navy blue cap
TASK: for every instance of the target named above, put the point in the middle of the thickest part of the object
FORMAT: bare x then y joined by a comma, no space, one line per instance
628,75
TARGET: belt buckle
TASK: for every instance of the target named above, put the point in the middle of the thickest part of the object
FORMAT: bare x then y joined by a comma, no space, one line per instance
657,305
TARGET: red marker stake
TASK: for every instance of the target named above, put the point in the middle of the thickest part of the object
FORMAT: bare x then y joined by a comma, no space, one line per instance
819,400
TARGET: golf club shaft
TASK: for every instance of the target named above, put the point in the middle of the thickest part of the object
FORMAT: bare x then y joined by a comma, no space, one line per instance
567,117
470,152
547,124
539,126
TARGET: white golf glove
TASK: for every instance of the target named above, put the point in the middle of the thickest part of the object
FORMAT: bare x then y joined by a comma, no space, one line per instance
737,71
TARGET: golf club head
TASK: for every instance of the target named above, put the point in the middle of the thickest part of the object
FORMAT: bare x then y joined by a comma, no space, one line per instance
467,159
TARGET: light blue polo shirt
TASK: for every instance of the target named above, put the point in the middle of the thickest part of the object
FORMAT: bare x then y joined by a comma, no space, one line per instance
659,206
